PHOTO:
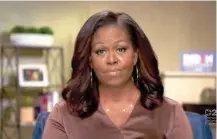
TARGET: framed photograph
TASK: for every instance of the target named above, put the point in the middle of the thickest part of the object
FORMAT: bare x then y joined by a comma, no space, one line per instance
33,75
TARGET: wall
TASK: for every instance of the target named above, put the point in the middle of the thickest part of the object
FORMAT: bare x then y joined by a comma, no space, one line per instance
172,27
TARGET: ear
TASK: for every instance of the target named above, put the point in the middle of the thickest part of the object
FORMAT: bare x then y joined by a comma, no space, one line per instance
135,57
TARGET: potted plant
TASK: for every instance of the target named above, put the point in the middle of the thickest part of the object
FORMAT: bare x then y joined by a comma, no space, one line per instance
31,36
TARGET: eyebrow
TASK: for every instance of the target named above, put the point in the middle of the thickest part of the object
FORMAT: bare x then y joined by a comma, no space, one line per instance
118,41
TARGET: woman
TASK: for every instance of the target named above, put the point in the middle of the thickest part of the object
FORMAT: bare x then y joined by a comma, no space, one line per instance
115,90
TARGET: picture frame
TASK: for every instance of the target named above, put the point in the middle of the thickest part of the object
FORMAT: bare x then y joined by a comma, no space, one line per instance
33,75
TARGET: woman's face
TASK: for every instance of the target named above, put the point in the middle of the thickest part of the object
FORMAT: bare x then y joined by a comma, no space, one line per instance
112,56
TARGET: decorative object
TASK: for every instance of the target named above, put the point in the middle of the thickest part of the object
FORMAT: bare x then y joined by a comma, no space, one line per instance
198,62
31,36
33,75
208,96
27,115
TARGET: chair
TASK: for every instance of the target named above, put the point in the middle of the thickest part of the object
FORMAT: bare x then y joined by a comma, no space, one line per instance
40,124
199,124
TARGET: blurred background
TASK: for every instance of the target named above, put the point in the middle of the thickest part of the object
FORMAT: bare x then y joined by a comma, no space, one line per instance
36,41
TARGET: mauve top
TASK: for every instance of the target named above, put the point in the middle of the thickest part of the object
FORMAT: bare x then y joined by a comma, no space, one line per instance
168,121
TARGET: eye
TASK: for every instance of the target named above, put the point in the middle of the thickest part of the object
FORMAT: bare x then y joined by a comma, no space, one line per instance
100,52
121,50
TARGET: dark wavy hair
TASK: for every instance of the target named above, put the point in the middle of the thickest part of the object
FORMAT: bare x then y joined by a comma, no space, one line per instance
82,95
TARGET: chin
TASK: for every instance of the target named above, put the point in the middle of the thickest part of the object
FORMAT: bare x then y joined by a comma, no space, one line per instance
115,83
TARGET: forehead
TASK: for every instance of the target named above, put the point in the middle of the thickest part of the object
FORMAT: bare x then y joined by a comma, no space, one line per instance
110,34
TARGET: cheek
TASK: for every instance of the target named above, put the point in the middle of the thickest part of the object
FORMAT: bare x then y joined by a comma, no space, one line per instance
97,64
129,61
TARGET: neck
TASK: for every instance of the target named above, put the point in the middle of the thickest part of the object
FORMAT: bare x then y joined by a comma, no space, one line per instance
127,92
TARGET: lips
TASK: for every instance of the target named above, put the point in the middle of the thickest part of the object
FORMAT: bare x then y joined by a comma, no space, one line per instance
113,72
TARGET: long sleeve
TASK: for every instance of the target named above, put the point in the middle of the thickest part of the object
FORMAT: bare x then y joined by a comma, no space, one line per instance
54,128
181,128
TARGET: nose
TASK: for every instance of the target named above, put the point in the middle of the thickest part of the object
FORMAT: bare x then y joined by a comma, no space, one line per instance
112,58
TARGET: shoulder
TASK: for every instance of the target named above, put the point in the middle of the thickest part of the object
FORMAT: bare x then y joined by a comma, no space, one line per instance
61,106
59,111
169,110
171,115
170,104
175,119
174,107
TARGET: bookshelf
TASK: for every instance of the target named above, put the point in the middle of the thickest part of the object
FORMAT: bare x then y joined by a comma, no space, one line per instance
12,94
